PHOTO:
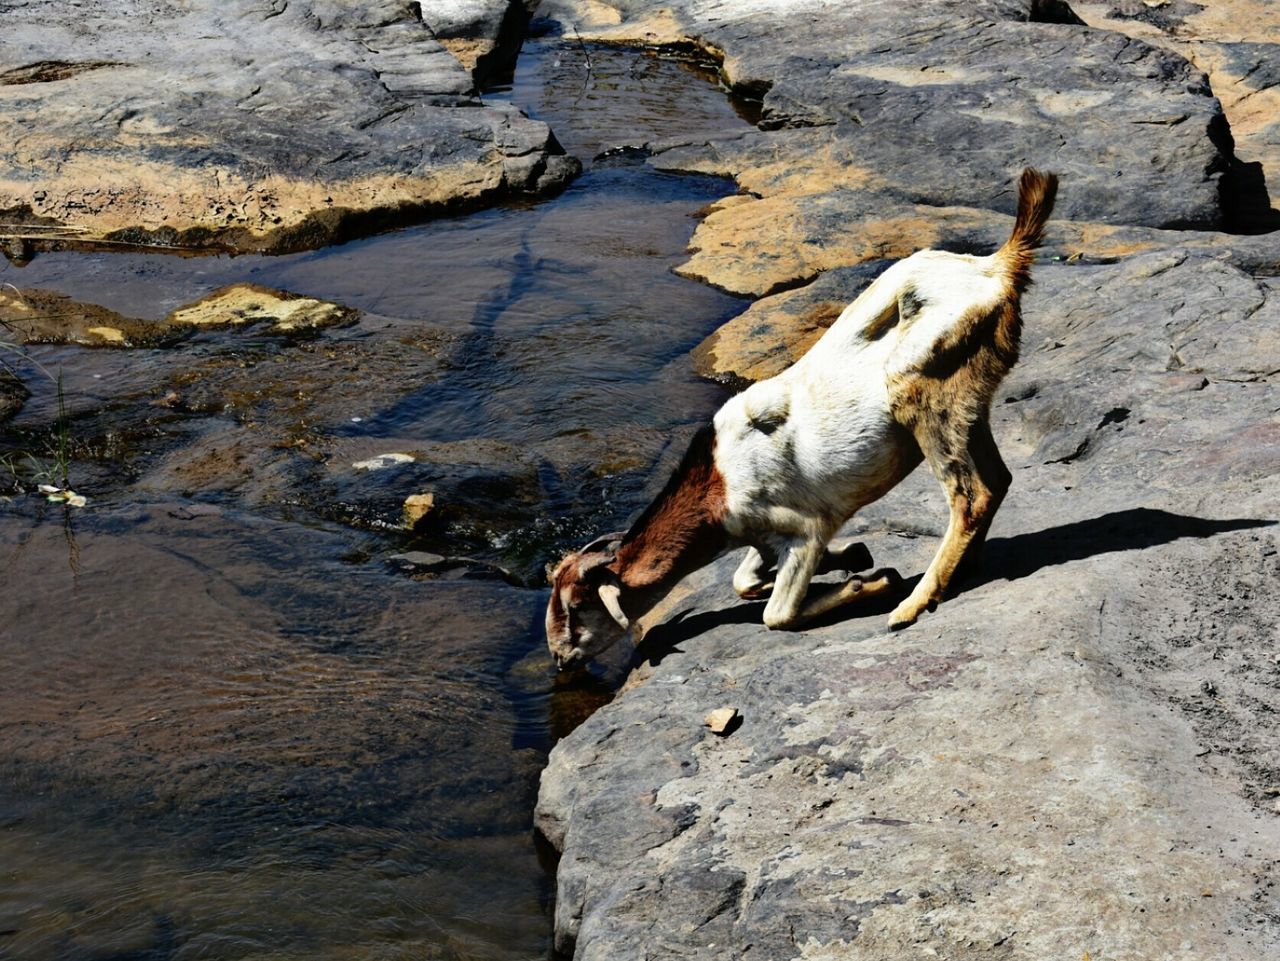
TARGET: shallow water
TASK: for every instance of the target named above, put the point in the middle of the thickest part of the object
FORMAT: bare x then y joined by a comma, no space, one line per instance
232,725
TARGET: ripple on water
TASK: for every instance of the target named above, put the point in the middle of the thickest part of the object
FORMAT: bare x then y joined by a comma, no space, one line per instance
229,729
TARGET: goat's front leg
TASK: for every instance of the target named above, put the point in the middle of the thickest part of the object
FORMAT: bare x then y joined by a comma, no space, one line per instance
753,578
755,575
796,566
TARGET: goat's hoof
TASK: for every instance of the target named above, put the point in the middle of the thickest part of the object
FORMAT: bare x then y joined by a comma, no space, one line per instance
904,615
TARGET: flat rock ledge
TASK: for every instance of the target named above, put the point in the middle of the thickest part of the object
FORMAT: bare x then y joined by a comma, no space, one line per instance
1078,755
251,125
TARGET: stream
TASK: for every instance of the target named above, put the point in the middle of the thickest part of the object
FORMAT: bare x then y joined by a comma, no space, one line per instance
244,713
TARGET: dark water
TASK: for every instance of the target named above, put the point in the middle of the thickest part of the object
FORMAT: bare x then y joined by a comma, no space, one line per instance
230,725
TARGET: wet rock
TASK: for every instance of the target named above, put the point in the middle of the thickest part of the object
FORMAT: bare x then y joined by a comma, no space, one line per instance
417,508
13,394
382,461
36,316
282,312
45,317
435,565
248,125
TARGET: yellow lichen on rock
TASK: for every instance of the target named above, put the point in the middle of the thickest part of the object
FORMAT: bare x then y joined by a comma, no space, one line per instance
760,247
112,335
250,304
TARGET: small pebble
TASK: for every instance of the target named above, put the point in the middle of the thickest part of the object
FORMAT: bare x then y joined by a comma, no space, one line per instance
416,509
720,719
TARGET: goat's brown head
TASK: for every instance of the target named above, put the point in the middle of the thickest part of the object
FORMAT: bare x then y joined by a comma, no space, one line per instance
584,614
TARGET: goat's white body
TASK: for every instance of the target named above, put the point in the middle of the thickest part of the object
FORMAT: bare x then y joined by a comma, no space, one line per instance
905,374
802,451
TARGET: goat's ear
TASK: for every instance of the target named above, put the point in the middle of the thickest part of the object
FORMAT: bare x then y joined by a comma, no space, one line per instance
550,570
610,594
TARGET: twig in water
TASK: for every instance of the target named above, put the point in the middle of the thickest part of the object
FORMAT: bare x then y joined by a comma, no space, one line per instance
586,80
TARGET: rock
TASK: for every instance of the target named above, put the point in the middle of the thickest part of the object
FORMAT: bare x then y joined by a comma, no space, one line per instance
34,316
420,560
248,125
384,460
1237,44
13,394
460,568
879,765
417,507
948,119
720,719
484,35
285,313
874,806
45,317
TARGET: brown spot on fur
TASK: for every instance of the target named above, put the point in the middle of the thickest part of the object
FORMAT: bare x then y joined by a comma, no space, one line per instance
683,529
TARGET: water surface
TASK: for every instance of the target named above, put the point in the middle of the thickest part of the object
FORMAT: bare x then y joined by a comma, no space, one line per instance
233,725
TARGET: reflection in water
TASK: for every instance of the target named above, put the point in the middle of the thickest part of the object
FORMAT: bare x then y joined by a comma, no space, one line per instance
231,726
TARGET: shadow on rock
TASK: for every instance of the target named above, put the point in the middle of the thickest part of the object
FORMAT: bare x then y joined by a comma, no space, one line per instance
667,637
1004,558
1011,558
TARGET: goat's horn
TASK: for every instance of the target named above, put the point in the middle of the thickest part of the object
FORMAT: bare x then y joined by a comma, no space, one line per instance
590,561
603,542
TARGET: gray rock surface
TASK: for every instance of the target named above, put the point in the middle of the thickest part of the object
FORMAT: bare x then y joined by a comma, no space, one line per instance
249,124
1073,757
484,35
937,102
1077,755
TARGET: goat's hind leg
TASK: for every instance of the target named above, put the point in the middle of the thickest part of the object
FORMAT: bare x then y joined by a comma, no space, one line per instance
975,480
855,589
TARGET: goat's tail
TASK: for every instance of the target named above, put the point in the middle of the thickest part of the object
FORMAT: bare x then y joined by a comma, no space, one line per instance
1036,193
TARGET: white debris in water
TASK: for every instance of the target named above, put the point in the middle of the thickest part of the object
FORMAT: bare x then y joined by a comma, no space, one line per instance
57,495
383,460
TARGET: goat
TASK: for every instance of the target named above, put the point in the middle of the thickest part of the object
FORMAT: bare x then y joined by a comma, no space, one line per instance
905,374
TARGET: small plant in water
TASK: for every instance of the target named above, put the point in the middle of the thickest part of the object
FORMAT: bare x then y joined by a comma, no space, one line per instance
51,473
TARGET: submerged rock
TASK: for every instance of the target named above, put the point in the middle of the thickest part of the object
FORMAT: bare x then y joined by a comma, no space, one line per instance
44,317
35,316
417,508
13,394
247,125
282,312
